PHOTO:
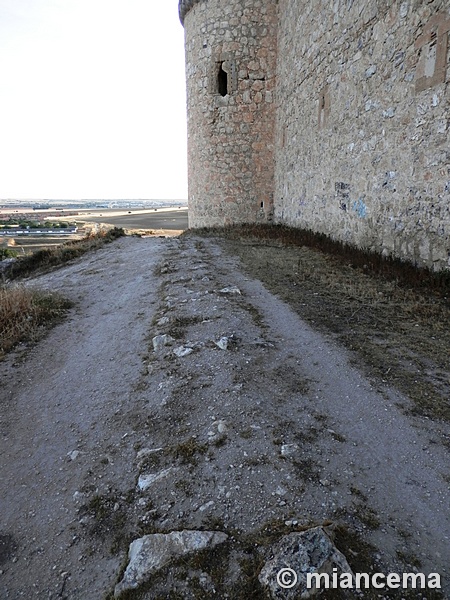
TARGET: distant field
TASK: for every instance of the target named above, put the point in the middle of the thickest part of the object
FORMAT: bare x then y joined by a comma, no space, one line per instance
163,219
28,245
160,219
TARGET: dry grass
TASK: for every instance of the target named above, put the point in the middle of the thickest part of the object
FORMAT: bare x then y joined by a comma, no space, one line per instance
58,255
392,315
394,269
24,313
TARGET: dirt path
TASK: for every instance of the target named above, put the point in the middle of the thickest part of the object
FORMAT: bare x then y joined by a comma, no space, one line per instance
261,424
61,399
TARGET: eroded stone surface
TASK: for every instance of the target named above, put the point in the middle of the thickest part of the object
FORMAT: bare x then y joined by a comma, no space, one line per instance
310,551
160,341
150,553
148,479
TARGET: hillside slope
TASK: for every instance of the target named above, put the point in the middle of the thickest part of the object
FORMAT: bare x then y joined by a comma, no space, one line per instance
254,423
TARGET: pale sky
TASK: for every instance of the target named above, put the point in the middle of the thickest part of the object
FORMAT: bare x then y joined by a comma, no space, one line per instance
92,99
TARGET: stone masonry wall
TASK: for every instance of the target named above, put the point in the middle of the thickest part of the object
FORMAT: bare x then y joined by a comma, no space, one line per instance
230,71
363,117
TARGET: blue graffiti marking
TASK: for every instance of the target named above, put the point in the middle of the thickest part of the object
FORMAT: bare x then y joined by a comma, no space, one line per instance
360,208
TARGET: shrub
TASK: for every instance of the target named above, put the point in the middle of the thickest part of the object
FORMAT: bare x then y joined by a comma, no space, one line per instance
7,253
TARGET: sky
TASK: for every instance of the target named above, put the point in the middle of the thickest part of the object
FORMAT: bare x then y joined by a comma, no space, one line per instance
92,100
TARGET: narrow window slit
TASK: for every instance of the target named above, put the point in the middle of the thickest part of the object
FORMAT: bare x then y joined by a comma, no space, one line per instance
222,80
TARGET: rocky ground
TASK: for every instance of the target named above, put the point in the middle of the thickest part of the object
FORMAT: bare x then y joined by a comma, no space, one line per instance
182,395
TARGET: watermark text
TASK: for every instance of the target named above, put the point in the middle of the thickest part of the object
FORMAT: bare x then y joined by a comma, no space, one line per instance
287,578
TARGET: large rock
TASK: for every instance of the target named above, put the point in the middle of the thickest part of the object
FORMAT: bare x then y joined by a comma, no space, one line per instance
152,552
310,551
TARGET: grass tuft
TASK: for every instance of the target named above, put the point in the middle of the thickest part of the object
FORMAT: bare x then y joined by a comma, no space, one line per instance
24,312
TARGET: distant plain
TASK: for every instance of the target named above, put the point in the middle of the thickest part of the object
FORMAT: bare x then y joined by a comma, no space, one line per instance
172,219
153,221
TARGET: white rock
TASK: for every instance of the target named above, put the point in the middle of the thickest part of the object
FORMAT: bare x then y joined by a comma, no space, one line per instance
222,343
230,290
389,113
159,341
371,71
206,506
163,321
181,351
146,480
152,552
74,454
78,496
221,426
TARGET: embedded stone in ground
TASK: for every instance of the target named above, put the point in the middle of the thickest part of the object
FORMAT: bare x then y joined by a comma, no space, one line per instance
222,343
183,351
147,479
305,552
231,290
152,552
159,341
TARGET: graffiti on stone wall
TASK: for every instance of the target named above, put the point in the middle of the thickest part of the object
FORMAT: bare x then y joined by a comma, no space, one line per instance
360,208
342,191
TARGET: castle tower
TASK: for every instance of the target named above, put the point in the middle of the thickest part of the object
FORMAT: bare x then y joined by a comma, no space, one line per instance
230,72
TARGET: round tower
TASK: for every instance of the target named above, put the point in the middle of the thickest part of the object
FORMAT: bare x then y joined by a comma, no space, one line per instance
230,73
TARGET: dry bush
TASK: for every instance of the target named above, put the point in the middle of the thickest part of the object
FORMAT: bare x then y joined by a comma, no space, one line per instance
24,313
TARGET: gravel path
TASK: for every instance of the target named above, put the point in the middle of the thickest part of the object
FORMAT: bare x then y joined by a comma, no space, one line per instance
257,419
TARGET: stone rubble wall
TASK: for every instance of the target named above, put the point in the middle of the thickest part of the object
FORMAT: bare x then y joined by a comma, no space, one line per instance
336,119
230,137
362,146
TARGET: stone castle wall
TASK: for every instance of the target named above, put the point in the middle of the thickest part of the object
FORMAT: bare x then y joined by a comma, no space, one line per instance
230,70
363,111
339,109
